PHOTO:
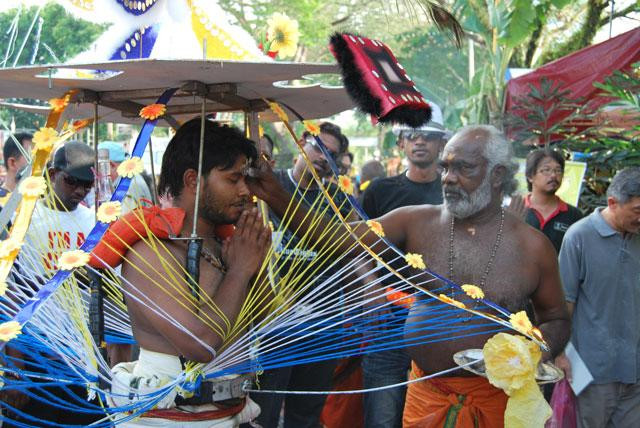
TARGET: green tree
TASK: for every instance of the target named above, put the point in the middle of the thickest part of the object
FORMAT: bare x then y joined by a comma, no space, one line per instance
438,68
499,28
592,15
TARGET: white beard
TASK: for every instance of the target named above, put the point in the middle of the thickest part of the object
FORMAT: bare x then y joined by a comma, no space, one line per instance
469,204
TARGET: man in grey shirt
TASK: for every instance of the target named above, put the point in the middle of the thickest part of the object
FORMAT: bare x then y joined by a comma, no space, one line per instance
600,271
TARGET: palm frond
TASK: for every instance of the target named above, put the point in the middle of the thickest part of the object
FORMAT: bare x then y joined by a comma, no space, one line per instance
440,16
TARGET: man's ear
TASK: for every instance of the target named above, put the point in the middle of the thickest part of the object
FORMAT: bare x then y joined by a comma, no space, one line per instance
190,180
11,163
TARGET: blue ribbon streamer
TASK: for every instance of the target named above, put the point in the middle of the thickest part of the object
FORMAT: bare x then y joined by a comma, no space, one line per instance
32,305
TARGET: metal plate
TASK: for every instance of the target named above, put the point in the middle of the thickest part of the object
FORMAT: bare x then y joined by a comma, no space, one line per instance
546,373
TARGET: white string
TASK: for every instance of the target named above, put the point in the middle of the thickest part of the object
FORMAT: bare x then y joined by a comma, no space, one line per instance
362,391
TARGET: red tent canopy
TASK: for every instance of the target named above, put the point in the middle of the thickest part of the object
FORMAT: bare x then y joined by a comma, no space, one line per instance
577,71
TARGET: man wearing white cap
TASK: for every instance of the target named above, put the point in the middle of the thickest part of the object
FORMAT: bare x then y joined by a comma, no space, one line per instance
138,191
418,185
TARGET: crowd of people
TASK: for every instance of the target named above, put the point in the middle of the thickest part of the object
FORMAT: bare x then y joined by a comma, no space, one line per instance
577,276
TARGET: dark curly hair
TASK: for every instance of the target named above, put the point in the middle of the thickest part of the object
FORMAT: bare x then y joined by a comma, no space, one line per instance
222,146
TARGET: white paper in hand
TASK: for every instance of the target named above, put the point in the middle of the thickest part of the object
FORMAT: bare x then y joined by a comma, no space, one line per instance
580,374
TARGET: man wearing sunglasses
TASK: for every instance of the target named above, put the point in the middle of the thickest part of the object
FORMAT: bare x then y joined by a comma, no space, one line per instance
418,185
60,222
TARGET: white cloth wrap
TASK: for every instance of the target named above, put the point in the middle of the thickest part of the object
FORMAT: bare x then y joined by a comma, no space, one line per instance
153,371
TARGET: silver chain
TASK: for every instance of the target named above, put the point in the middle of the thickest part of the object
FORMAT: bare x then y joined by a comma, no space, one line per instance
492,257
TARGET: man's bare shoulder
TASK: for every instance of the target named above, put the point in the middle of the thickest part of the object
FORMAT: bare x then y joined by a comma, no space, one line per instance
149,258
532,241
416,213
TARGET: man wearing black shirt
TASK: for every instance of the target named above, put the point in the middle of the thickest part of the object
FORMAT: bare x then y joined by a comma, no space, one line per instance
545,210
301,411
418,185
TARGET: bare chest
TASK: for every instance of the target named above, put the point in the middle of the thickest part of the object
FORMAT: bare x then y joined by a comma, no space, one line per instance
210,274
475,256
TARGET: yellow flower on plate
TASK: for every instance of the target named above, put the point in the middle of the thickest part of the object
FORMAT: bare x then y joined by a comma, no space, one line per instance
511,361
109,211
32,187
345,184
311,127
415,260
376,227
130,167
10,330
473,291
451,301
283,34
153,111
44,138
279,111
520,322
9,248
73,259
58,104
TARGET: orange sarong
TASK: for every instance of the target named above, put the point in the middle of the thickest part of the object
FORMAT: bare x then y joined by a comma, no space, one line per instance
464,402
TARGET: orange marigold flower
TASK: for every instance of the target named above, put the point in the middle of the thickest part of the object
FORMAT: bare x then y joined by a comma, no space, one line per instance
449,300
80,124
345,184
400,297
153,111
520,322
10,330
473,291
109,211
32,187
130,167
376,227
415,261
73,259
312,127
58,104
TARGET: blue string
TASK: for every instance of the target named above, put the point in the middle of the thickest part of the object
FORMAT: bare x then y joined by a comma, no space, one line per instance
32,305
